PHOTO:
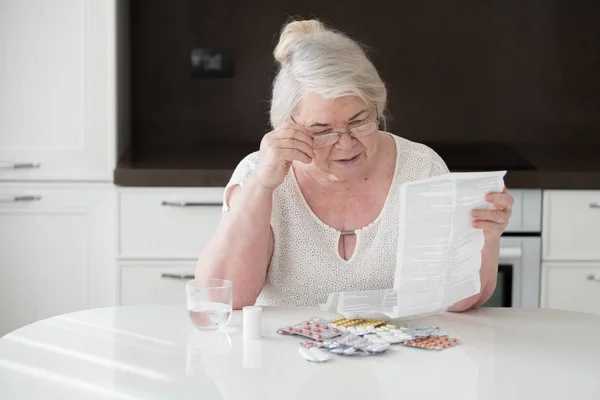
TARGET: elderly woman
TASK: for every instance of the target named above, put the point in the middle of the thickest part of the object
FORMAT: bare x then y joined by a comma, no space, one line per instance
315,211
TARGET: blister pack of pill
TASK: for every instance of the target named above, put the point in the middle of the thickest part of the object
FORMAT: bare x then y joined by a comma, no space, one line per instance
314,328
357,323
433,342
350,344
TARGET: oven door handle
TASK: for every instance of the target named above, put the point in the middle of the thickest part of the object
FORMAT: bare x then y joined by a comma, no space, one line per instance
511,252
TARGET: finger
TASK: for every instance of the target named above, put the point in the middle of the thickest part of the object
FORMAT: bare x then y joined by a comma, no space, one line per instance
296,144
504,200
499,216
488,226
295,154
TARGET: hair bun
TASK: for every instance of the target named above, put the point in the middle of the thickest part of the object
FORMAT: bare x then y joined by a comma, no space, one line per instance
291,33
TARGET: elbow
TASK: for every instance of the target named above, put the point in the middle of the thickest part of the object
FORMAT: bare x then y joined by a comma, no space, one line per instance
466,304
242,297
239,302
475,301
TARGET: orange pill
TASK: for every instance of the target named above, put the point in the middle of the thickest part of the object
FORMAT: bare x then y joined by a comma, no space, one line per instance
454,340
437,337
444,346
446,338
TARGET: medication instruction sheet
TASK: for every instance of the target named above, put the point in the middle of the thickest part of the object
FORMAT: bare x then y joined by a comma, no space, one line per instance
439,251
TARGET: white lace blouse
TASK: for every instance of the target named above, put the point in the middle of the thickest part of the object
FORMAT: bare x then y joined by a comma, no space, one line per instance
306,265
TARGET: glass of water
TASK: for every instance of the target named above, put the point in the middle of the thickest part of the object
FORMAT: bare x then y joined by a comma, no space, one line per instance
209,302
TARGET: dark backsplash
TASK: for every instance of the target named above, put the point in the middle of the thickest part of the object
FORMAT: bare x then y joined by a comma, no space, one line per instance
515,71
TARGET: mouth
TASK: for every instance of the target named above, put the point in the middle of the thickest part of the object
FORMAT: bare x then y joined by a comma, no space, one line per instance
349,161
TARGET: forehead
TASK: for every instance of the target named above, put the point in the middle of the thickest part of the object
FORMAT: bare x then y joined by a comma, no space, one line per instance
315,108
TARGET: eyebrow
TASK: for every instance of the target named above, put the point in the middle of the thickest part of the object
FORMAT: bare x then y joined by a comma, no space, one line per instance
323,124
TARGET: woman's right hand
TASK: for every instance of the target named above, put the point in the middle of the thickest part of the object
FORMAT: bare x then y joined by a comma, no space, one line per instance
278,149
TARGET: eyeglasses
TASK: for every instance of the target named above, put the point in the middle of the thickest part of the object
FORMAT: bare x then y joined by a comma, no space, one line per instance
328,139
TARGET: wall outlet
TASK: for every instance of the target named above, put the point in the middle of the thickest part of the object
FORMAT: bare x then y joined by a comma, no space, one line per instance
211,63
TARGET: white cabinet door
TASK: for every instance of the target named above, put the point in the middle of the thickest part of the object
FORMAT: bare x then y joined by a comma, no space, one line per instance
571,286
57,89
57,250
154,282
571,222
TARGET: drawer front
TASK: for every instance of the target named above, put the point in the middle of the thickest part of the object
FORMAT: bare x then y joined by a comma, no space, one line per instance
154,282
571,222
167,224
572,286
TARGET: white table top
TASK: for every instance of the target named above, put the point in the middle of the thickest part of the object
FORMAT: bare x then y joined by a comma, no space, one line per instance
153,352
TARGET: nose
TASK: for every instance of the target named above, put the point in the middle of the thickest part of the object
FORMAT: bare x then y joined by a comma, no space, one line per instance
345,142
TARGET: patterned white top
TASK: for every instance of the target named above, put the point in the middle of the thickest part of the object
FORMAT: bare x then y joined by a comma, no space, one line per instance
306,265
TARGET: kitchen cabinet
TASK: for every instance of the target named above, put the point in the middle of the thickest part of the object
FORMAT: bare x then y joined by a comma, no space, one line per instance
154,282
161,234
57,254
572,286
57,102
571,251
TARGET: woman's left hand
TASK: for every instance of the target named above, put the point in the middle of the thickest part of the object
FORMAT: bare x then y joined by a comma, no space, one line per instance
494,221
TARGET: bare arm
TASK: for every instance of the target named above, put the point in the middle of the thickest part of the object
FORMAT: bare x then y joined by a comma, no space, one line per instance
492,222
242,247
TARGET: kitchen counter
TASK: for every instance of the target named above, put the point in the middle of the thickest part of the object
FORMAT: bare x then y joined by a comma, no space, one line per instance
528,166
154,352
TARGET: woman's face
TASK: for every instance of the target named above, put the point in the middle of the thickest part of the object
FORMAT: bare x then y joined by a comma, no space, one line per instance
348,155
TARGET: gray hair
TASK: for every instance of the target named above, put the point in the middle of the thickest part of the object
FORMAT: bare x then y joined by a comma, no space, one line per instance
315,59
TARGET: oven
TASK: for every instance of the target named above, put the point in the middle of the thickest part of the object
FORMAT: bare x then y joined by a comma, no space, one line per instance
519,264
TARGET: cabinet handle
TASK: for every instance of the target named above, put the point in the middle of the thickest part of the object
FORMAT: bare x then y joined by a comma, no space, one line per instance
15,199
171,275
595,205
19,165
190,204
592,277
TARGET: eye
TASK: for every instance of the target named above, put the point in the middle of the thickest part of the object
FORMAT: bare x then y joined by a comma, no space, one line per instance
322,132
356,123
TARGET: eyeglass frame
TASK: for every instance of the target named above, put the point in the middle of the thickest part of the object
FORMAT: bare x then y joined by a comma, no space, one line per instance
348,131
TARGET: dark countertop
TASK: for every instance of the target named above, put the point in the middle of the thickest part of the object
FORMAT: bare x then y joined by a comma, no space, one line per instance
558,166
